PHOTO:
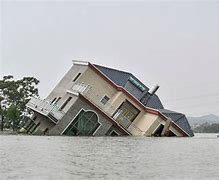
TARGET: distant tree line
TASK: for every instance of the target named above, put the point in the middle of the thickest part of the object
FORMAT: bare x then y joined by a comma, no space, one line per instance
207,128
14,95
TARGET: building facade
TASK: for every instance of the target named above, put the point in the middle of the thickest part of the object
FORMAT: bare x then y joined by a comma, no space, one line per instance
93,100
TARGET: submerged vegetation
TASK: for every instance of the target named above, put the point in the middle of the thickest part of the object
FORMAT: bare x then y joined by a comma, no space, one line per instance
14,95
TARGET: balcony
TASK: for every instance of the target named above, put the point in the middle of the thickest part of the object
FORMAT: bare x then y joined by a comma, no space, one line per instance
45,108
80,88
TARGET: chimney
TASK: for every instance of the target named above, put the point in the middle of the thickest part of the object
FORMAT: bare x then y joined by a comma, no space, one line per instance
145,98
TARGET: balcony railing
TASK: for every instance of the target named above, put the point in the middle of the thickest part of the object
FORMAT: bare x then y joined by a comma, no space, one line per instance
80,88
46,108
127,124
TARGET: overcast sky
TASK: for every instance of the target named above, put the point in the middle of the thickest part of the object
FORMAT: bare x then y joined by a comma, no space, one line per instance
174,44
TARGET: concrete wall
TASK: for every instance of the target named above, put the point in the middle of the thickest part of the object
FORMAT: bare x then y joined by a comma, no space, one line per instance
65,84
99,89
144,121
177,133
44,124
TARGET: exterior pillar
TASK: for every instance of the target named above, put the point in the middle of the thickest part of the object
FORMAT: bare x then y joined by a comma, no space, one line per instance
165,131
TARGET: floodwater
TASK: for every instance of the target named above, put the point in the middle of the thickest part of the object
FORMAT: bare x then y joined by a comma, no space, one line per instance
63,158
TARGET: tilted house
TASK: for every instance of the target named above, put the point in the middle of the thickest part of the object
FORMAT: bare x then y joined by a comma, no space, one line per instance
93,100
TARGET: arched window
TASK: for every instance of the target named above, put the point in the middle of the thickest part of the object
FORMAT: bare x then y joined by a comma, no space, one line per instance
84,124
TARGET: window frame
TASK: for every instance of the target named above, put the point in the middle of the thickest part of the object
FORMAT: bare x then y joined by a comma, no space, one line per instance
65,103
77,76
103,98
82,109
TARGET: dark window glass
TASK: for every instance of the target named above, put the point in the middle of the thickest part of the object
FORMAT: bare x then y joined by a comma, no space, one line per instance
84,124
77,77
65,103
53,100
58,100
105,99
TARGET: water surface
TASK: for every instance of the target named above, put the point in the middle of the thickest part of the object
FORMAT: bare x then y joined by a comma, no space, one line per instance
63,158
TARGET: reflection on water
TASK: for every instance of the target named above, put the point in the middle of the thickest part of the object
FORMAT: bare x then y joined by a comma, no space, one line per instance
60,158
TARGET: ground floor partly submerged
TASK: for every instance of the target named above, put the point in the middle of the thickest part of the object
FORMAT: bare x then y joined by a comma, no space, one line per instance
84,118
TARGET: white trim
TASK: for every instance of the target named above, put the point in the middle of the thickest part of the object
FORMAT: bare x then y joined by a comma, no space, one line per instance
73,93
72,120
79,62
100,124
114,132
173,132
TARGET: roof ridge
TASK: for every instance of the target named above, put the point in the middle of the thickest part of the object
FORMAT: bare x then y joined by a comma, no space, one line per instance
133,76
113,69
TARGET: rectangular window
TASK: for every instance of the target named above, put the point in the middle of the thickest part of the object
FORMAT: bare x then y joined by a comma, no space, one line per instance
77,77
65,103
57,100
126,113
53,100
105,99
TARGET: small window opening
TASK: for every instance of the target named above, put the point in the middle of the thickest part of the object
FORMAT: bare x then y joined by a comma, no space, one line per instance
105,99
65,103
57,100
77,77
159,130
53,100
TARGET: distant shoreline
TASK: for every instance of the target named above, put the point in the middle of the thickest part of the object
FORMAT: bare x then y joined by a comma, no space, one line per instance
8,132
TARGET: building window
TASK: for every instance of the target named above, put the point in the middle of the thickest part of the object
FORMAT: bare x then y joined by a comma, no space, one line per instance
53,100
84,124
126,114
65,103
77,77
105,99
57,100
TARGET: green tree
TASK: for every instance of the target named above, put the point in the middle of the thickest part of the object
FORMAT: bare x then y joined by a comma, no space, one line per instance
13,116
17,93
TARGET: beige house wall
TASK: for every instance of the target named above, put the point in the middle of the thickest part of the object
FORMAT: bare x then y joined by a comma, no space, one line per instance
66,83
100,88
175,131
144,121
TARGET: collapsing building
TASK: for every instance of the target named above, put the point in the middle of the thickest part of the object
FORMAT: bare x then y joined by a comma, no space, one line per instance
93,100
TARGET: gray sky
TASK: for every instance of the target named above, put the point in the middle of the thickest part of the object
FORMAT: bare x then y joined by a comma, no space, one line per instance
174,44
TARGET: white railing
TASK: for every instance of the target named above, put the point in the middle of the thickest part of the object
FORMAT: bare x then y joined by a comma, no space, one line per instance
127,124
122,120
80,87
45,107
